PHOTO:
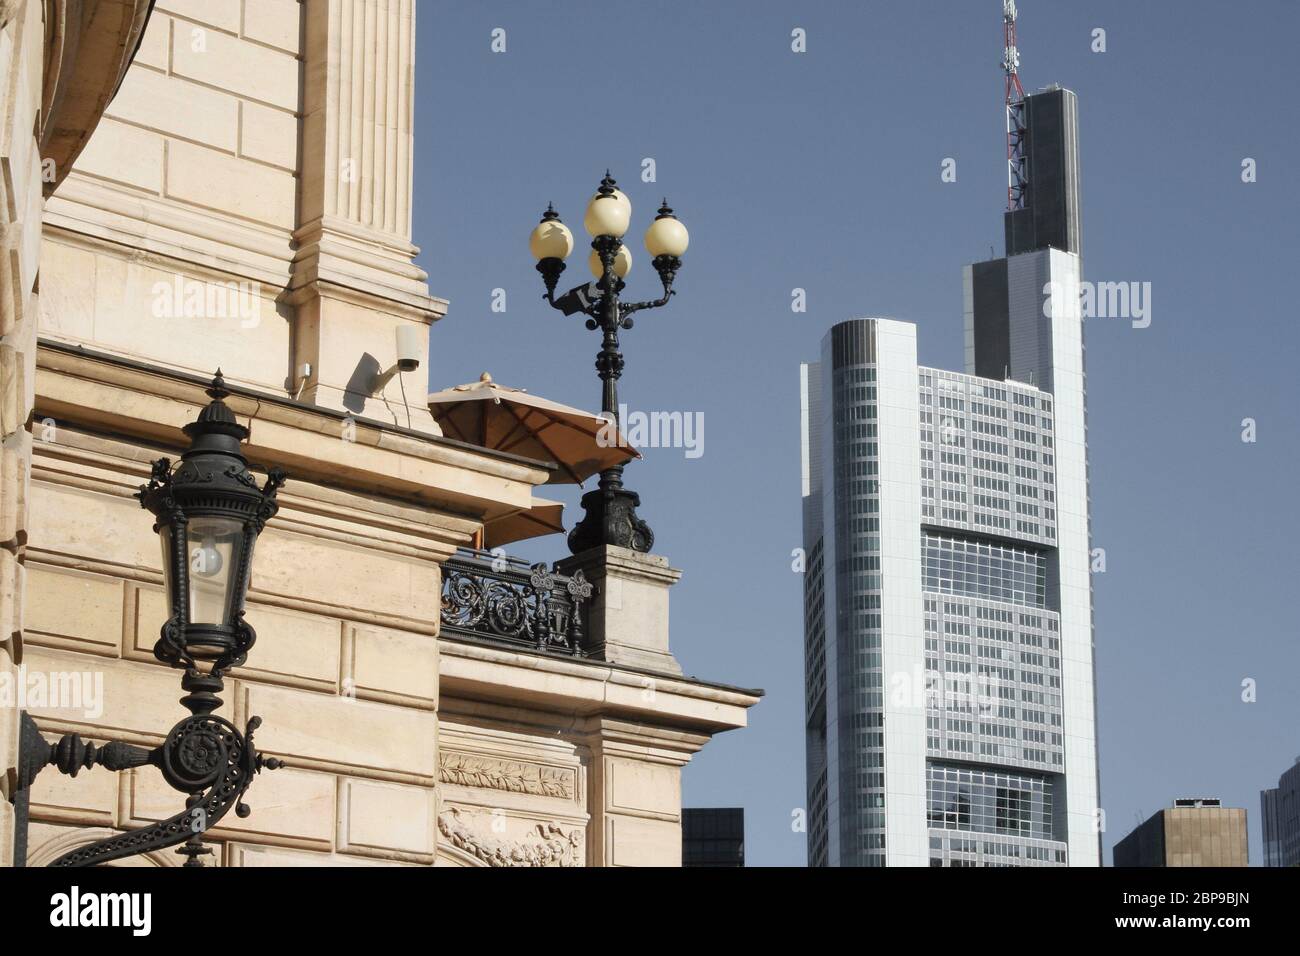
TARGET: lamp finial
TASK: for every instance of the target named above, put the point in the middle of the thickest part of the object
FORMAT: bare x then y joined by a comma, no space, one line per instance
217,390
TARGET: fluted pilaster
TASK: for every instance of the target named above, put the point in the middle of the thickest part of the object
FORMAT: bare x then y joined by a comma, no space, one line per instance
354,279
358,111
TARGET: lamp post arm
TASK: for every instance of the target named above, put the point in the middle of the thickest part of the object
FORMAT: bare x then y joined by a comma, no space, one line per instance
70,754
667,267
549,296
630,307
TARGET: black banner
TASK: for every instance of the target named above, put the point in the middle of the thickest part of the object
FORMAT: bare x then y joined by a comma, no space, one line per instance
130,904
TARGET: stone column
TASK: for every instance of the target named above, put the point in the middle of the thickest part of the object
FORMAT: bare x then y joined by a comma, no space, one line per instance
628,622
354,282
21,59
635,783
635,792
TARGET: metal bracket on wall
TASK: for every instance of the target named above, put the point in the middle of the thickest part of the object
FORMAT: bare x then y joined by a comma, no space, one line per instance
204,756
31,747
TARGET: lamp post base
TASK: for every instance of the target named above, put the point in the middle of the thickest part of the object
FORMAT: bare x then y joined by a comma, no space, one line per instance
611,518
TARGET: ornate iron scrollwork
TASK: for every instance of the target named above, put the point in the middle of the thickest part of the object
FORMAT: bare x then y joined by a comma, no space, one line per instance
205,756
511,602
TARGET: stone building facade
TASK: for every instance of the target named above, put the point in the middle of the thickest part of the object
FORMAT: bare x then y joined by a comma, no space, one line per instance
244,201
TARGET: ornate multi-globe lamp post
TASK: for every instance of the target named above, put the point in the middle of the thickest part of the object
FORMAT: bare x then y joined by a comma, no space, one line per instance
209,512
610,516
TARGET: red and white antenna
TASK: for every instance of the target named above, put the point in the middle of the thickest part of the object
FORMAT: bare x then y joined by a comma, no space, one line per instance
1017,167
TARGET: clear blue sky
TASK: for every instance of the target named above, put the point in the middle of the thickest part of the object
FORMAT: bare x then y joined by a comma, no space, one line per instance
821,171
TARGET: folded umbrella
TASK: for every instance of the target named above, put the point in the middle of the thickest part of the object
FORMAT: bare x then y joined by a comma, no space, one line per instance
484,413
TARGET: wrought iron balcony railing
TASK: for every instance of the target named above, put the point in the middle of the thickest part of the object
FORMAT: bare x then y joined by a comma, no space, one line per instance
508,601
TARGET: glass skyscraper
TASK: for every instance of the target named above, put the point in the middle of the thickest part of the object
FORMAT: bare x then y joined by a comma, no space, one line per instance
1280,812
948,607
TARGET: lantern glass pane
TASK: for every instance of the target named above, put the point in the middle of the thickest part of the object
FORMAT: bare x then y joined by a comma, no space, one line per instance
214,546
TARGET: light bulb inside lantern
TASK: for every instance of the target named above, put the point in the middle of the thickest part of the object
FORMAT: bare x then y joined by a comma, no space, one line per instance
206,560
622,263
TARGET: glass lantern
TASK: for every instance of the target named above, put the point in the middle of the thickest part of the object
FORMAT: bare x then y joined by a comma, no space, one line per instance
210,512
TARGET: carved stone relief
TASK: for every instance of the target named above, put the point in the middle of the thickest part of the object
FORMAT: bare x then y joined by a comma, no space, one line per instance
548,844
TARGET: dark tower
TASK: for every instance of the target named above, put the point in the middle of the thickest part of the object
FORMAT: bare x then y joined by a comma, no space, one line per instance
1050,214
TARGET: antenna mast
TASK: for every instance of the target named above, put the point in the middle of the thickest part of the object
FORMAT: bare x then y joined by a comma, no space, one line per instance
1017,167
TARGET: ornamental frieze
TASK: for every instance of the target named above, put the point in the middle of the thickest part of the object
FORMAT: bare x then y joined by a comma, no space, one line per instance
487,773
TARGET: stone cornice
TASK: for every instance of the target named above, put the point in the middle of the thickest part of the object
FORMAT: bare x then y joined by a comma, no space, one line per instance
593,689
427,309
107,466
97,215
121,397
626,563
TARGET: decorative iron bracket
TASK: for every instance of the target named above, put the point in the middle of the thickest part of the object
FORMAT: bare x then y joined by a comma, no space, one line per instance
204,756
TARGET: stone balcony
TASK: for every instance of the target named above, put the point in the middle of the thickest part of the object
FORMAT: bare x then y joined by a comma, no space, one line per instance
606,604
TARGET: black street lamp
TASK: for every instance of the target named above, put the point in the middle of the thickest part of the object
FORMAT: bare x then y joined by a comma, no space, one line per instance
610,511
209,512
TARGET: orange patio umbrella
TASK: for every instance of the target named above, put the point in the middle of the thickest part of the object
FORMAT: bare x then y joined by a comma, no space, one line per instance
543,518
579,443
